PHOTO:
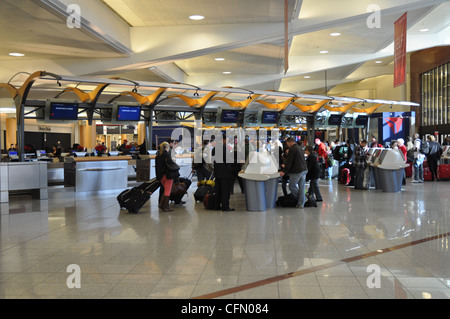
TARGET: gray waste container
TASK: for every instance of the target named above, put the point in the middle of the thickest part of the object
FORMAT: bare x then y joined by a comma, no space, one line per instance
255,195
391,180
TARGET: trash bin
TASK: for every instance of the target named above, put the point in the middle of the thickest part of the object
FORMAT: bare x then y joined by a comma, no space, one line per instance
260,177
389,170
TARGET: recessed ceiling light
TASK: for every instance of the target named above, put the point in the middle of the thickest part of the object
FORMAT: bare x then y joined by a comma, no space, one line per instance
335,34
226,72
196,17
424,30
323,52
219,59
307,76
378,61
16,54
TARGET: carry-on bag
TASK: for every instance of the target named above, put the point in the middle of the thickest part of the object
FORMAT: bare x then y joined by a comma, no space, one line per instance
444,172
209,201
180,187
134,198
287,201
203,187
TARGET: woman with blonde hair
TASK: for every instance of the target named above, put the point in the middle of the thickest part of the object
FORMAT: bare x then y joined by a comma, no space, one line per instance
166,171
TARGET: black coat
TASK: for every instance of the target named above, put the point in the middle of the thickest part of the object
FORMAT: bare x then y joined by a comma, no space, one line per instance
313,167
228,166
160,164
295,160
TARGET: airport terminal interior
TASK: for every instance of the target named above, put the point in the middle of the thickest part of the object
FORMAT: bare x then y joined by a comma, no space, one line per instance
92,93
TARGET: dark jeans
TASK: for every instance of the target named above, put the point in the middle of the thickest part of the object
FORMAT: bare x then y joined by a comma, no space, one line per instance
359,177
314,189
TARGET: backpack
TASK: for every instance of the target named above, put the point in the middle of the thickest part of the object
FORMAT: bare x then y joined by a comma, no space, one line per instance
287,201
343,151
424,147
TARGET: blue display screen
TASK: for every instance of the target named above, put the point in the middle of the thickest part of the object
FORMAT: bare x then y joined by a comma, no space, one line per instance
63,111
269,117
229,116
128,113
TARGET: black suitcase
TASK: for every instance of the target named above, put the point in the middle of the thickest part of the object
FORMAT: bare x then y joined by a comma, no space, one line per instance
133,199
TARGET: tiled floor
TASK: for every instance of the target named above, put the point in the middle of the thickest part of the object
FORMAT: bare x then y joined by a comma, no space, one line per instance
191,252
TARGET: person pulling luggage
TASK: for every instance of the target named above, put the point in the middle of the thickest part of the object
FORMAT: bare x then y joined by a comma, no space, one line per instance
166,171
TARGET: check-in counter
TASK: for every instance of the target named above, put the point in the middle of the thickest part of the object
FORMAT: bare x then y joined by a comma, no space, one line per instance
55,172
21,176
145,166
91,174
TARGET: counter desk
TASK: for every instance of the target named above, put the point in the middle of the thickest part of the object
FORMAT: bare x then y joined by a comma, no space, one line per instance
23,176
91,174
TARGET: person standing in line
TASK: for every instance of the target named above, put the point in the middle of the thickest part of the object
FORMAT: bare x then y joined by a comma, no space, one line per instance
401,146
419,157
373,142
223,174
360,165
433,157
295,167
313,174
166,171
351,159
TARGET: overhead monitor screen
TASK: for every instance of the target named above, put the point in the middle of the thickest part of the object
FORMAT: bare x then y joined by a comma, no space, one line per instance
269,117
229,116
335,120
361,120
63,111
128,113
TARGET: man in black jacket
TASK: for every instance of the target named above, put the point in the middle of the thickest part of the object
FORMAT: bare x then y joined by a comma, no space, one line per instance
223,173
295,167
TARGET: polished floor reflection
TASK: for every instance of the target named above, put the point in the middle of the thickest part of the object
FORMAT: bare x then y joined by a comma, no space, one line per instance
356,244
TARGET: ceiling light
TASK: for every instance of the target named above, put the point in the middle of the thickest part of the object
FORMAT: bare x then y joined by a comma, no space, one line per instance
323,52
196,17
226,72
424,30
16,54
219,59
307,76
378,62
335,34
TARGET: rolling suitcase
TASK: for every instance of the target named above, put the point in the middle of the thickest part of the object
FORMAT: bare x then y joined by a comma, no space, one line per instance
444,172
133,199
203,188
427,174
209,201
408,170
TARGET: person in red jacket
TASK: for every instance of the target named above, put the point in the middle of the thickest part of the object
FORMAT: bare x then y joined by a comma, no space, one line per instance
322,154
401,146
